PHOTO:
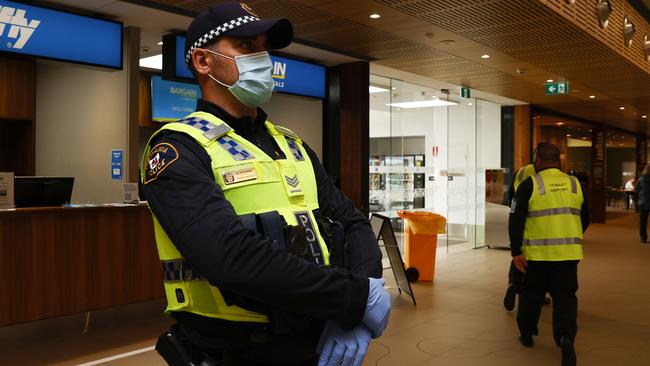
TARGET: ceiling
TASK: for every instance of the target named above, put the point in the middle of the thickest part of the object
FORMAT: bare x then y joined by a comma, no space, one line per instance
575,131
529,42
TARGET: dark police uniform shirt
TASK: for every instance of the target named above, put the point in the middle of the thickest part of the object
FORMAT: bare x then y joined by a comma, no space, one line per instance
194,213
519,213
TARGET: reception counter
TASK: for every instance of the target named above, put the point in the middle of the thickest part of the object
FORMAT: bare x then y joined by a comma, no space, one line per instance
57,261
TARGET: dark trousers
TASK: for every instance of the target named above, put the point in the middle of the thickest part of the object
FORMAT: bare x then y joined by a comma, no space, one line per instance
246,345
643,224
515,278
560,279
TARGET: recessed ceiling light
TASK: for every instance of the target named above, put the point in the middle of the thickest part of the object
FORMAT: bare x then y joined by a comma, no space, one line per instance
592,96
584,138
549,80
485,56
394,88
448,42
469,104
644,116
375,16
621,108
429,35
560,123
159,43
568,135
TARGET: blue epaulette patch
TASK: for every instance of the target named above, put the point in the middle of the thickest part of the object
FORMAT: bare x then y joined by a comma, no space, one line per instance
234,148
295,149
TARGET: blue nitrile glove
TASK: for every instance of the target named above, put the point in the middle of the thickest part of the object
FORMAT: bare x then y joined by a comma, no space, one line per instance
343,347
377,308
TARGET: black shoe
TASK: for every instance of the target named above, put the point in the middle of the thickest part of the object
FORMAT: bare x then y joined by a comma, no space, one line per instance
509,299
568,352
526,340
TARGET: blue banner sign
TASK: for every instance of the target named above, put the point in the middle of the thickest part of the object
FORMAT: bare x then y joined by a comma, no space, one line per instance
172,100
298,77
58,35
116,164
290,76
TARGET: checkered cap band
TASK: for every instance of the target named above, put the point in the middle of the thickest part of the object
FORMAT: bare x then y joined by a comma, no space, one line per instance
225,27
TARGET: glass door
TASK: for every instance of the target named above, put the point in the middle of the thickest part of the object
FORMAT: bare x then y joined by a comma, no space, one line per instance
461,173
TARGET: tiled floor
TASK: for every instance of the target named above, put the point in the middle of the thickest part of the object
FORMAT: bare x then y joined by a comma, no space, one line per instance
459,319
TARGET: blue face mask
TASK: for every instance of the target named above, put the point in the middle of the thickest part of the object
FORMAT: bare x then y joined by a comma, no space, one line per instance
255,84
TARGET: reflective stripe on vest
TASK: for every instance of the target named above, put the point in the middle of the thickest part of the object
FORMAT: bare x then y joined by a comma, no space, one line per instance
253,183
178,270
555,211
553,228
522,174
556,241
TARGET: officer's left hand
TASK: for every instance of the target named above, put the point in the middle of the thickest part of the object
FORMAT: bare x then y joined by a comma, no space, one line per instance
343,347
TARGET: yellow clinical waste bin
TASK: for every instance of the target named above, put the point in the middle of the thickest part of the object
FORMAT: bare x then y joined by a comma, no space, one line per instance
421,231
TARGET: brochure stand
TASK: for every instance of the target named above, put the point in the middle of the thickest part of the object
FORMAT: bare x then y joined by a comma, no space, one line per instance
383,231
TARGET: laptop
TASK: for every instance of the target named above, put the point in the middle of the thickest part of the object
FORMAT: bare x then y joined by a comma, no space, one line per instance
42,191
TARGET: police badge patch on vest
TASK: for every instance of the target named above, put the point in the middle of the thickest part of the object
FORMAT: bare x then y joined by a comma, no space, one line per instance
239,175
160,157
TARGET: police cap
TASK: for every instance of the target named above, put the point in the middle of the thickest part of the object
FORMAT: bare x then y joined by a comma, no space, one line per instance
237,20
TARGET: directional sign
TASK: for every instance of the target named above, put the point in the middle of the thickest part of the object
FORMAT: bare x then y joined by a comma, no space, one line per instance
557,88
465,92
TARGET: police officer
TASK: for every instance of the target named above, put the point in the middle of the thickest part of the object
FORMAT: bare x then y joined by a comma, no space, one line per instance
236,202
515,278
547,219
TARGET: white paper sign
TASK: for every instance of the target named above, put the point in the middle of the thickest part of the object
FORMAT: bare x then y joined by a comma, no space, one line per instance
6,190
131,193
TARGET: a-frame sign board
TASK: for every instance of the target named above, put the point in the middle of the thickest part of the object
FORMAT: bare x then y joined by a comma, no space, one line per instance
383,231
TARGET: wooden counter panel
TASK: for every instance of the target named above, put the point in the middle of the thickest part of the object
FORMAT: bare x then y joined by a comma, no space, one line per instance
68,260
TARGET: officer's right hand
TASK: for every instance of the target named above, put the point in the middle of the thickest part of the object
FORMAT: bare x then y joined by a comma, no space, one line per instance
377,308
343,347
520,263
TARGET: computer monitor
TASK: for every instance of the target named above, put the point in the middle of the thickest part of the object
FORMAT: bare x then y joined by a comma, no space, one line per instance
42,191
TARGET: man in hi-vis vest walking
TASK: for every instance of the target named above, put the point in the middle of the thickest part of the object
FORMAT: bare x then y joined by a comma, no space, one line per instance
265,261
547,219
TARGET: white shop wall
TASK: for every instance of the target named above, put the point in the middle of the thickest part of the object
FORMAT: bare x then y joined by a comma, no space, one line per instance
81,115
467,138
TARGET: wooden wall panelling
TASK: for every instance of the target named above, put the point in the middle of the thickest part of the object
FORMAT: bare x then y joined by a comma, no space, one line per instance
59,261
346,130
17,88
598,175
522,135
144,115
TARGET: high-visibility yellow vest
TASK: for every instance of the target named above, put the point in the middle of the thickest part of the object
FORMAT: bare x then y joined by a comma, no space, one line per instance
522,174
553,227
253,183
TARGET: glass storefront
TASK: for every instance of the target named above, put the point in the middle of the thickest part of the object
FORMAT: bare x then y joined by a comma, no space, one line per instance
429,150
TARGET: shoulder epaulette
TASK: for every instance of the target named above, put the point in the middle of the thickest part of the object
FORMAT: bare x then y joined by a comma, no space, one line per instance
210,130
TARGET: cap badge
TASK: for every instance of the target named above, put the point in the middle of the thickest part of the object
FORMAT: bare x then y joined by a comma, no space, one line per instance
248,9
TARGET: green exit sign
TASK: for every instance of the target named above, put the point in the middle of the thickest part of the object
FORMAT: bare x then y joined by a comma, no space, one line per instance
556,88
465,92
